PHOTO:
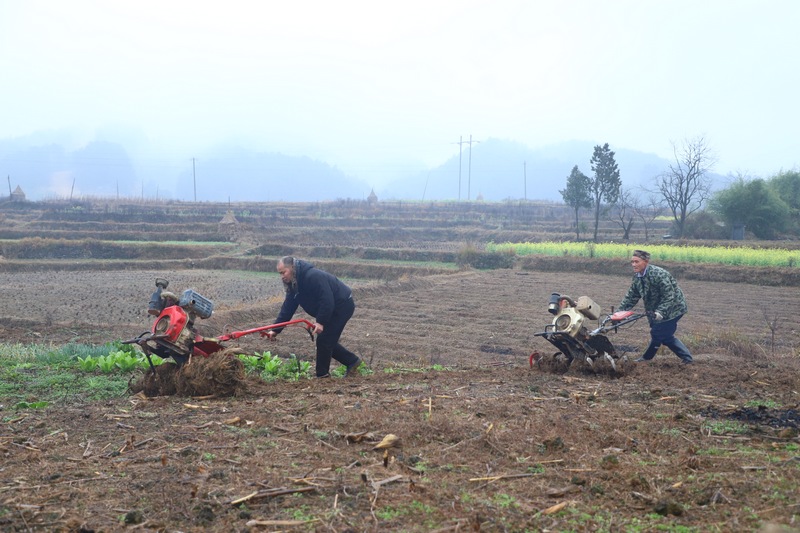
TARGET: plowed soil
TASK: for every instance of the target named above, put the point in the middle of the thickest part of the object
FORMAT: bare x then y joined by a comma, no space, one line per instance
486,443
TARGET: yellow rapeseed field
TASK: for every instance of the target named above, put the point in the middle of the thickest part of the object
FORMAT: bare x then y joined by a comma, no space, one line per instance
727,255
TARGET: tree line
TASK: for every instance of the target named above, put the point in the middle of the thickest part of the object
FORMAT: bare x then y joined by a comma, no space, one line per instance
766,208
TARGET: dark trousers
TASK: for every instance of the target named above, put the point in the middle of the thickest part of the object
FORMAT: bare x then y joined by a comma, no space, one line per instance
664,333
328,346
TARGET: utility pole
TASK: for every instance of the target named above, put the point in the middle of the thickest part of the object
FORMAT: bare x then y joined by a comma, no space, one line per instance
9,186
460,142
469,173
525,180
194,181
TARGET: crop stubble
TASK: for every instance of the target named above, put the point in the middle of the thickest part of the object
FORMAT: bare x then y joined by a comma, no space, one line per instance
616,449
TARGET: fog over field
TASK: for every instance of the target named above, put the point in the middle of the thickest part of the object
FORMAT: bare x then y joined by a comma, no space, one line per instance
447,100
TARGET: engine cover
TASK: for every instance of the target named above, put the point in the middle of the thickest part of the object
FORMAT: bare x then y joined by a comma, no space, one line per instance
197,304
173,335
569,321
171,323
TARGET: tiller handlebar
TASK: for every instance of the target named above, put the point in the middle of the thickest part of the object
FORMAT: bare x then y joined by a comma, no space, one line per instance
614,321
263,330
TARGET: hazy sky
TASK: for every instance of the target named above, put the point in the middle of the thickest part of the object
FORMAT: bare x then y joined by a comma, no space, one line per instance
380,88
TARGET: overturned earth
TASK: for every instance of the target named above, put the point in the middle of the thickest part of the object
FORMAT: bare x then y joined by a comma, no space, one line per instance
485,441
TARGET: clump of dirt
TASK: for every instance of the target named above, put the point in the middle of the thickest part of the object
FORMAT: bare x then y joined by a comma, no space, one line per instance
558,363
158,383
220,375
603,366
553,363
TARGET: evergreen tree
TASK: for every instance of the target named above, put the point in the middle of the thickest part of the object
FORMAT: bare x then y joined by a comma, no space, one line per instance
577,194
606,183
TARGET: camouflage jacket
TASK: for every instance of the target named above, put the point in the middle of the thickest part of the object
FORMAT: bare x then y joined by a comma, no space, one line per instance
659,291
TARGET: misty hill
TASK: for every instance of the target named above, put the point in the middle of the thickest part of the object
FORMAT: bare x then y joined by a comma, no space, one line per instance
237,174
502,170
46,166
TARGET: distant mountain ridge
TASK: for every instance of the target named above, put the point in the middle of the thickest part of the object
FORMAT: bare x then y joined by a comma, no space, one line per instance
502,170
496,170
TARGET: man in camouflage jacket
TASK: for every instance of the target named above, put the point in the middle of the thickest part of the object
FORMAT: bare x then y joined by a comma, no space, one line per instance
663,302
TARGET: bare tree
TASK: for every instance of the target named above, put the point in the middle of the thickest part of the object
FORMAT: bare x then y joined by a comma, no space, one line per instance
627,207
685,186
772,323
648,210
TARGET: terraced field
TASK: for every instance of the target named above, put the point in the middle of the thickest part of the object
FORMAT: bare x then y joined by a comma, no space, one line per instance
486,442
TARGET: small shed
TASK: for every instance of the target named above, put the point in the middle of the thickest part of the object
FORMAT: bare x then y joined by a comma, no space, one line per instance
18,195
228,219
228,226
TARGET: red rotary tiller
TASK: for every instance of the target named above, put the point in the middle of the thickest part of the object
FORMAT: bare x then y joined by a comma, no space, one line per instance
174,335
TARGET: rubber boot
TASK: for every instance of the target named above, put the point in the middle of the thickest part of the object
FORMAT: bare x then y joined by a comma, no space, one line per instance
651,350
680,350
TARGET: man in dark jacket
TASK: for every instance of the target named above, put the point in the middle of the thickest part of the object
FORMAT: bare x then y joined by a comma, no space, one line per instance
663,302
328,300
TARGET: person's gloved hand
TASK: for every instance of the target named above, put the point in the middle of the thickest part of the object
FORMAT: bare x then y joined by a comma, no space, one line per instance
658,316
270,335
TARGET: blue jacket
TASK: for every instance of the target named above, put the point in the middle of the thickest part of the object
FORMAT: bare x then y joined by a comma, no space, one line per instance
317,292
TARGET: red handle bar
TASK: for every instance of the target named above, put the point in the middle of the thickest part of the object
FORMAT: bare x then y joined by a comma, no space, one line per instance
236,334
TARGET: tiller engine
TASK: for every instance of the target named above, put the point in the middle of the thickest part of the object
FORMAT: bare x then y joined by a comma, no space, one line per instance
569,332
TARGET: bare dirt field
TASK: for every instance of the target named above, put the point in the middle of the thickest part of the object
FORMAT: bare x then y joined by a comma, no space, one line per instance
487,444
